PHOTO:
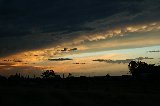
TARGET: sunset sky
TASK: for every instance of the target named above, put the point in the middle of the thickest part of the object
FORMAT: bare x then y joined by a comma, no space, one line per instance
67,35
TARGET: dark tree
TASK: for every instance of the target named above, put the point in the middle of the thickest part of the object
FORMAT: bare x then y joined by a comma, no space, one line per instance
133,68
70,75
2,78
48,74
108,75
140,69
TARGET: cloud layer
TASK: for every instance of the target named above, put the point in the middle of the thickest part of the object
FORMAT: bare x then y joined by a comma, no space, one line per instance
30,25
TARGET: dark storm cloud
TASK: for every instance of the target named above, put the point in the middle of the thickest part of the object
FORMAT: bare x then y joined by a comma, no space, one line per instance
33,24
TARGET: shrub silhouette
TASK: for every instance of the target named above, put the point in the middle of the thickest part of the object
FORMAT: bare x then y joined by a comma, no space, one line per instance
50,74
108,75
70,75
15,77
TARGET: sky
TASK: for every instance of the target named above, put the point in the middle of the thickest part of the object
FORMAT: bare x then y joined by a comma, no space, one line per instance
67,36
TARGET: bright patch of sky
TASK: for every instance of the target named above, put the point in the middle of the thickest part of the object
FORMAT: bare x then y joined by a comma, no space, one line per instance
127,53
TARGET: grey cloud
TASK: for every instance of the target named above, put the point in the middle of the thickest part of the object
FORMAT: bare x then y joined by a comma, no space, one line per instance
143,58
29,25
60,59
154,51
115,61
68,49
79,63
126,61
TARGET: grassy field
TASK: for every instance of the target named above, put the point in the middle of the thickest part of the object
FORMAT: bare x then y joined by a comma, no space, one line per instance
81,93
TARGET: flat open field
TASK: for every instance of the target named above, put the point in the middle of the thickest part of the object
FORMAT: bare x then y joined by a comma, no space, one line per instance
86,92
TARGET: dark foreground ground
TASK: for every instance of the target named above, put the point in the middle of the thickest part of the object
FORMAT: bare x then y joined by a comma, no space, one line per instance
81,92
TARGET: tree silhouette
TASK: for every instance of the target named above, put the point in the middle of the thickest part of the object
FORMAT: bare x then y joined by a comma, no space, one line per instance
133,68
48,74
137,69
70,75
108,75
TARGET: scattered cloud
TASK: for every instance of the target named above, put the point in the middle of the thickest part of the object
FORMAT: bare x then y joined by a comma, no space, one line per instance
79,63
153,51
60,59
143,58
126,61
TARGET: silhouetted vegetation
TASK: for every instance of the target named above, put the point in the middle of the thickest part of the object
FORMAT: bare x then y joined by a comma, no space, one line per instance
49,74
52,90
142,70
